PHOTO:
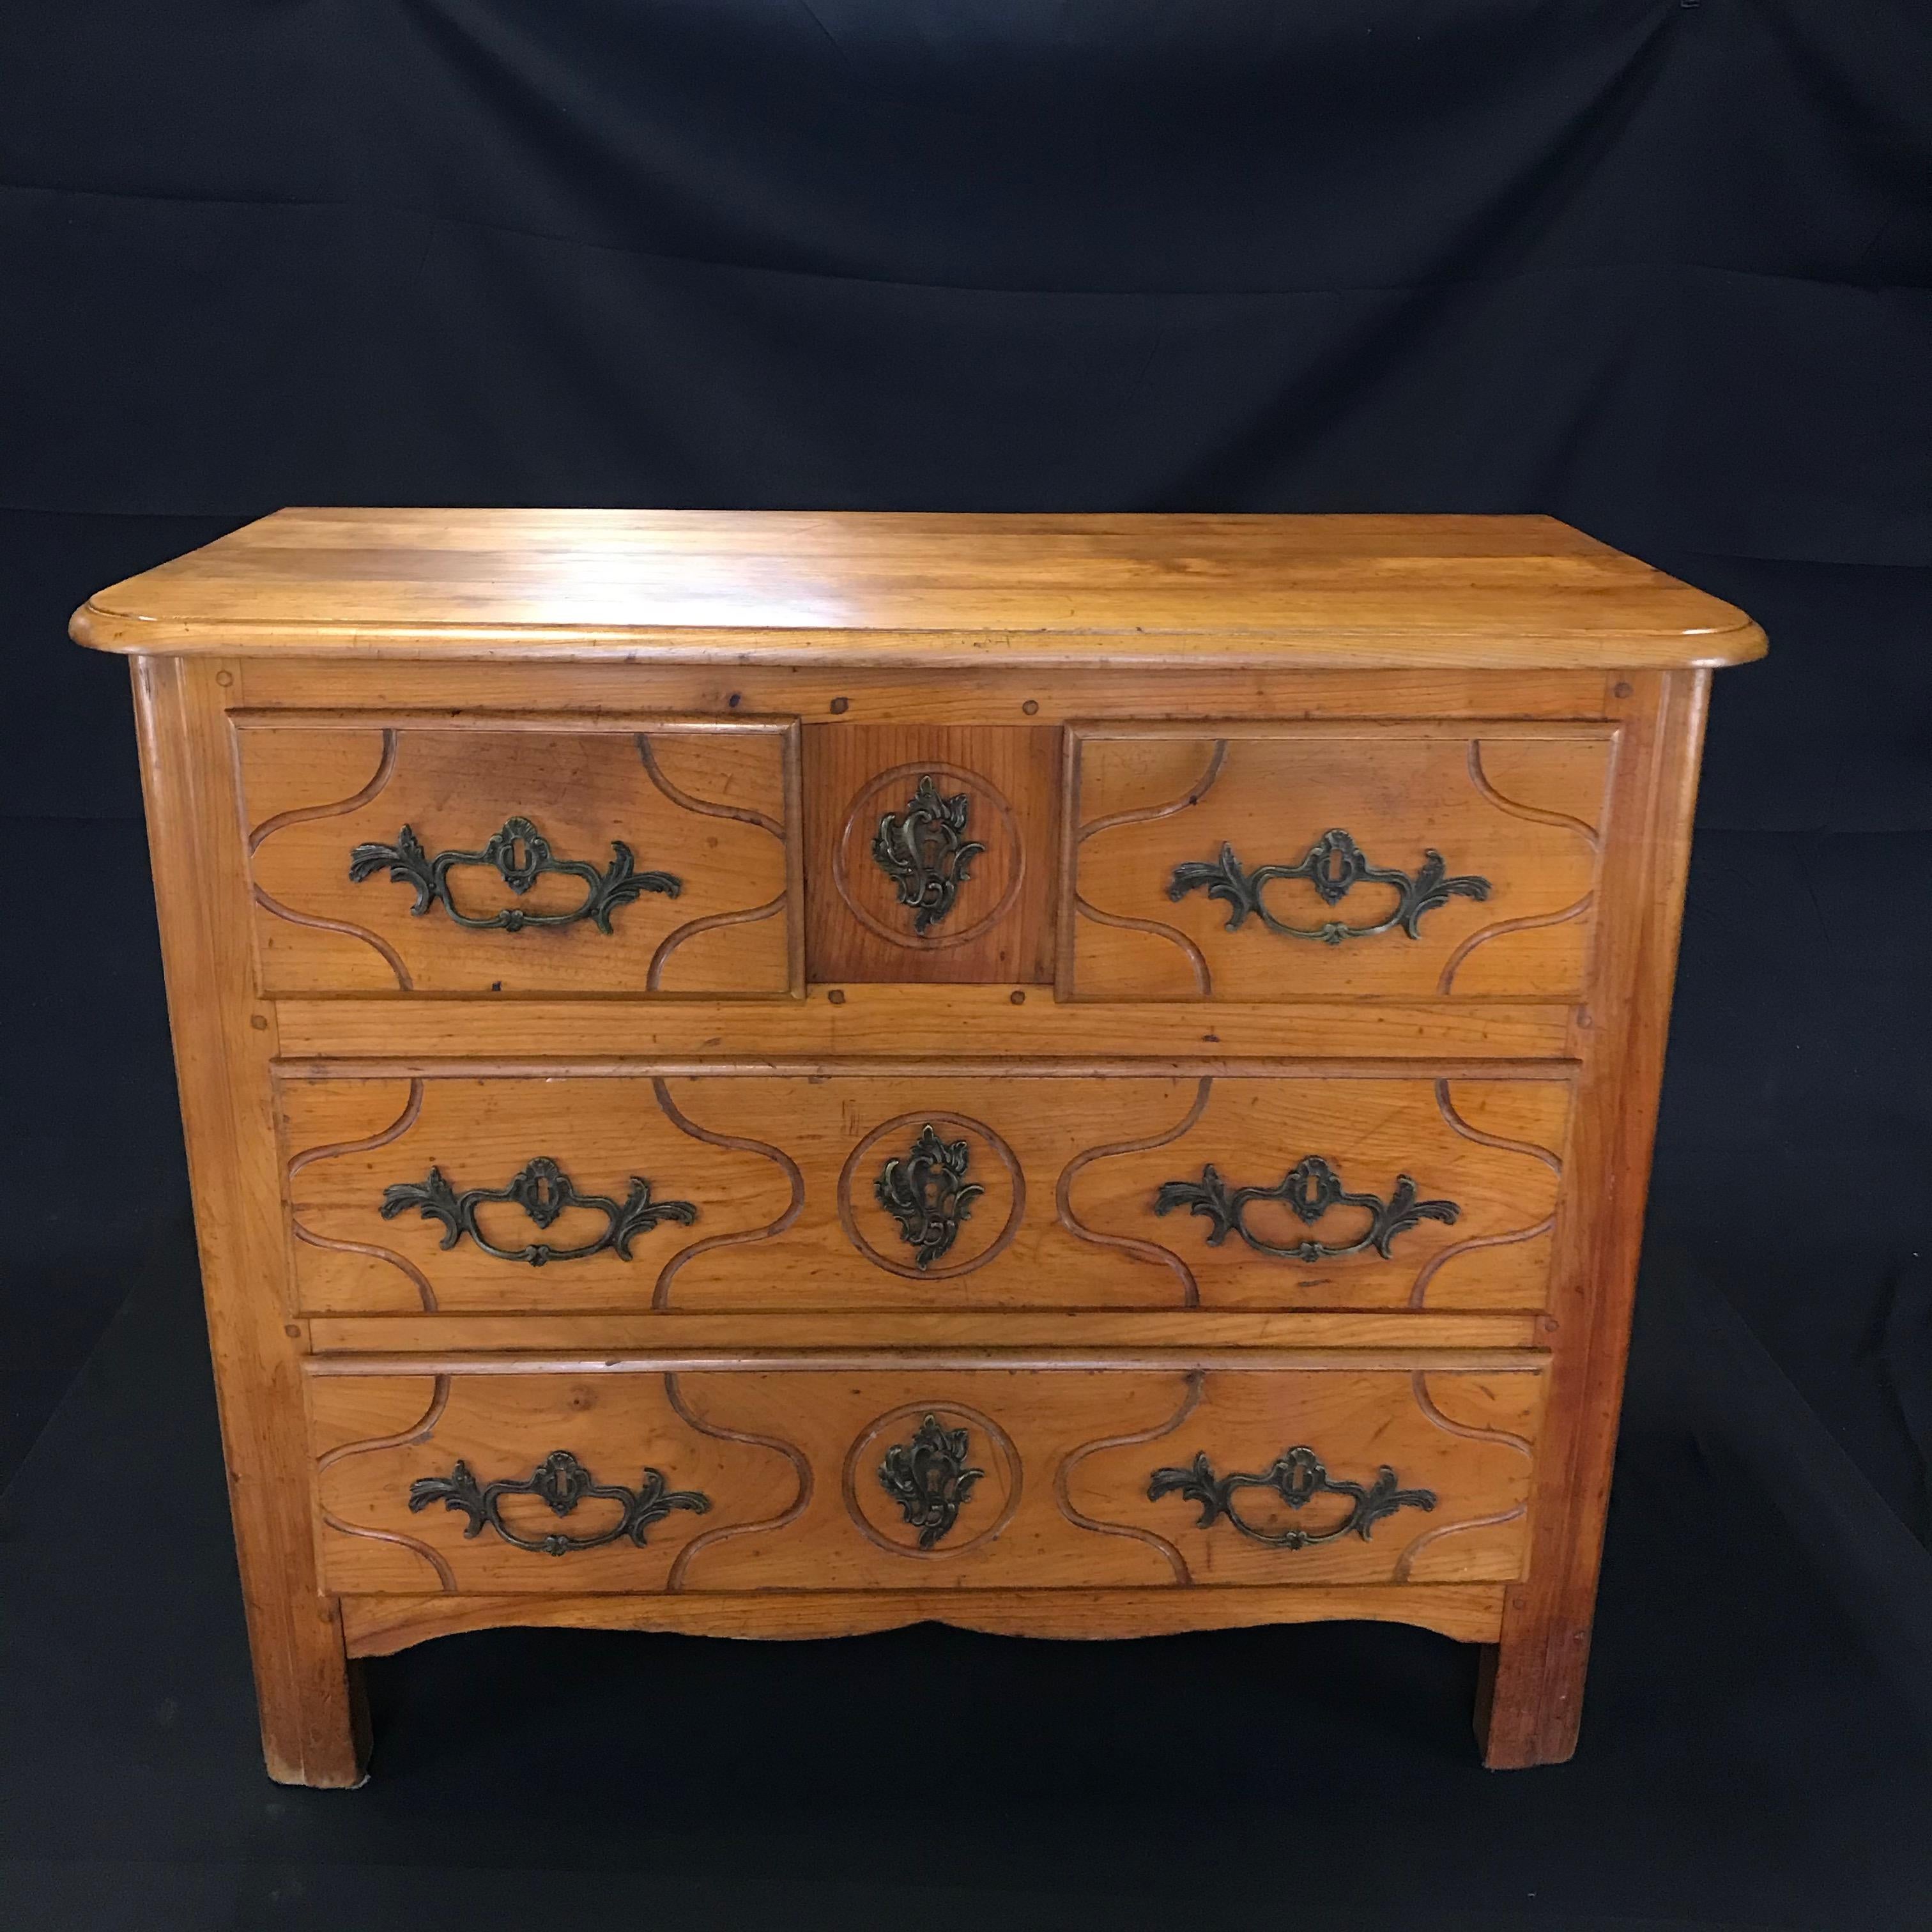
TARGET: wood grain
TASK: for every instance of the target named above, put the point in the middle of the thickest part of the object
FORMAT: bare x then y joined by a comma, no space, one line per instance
1001,925
1530,1705
1121,695
314,1731
845,696
712,806
1471,1613
869,1023
1520,806
588,1336
1354,592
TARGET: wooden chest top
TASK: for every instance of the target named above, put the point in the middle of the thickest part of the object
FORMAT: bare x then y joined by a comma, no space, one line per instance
842,587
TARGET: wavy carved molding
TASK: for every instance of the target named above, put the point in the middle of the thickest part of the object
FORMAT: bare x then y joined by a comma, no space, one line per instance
385,770
403,1122
1404,1560
420,1430
1405,1563
801,1466
1508,1237
1135,1532
1133,1244
1146,814
735,1143
1478,778
708,808
1533,921
304,814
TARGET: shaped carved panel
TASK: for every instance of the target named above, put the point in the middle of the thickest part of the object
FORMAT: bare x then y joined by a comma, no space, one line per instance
1317,861
752,1192
836,1478
426,855
1412,1475
533,1482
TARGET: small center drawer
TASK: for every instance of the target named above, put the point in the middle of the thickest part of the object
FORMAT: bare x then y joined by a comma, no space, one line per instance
553,855
849,1477
1296,1190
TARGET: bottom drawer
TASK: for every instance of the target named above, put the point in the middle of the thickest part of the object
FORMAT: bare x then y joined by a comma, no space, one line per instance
513,1477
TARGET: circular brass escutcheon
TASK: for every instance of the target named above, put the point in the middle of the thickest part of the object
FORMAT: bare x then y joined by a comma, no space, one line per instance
984,1234
989,1504
993,879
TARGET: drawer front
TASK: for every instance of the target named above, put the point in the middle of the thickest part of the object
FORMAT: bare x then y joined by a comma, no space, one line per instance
911,1478
894,1192
559,856
931,851
1319,862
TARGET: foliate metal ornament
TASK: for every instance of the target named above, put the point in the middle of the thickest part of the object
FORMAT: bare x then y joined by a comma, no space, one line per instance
927,1194
924,850
1334,866
563,1482
543,1191
520,855
1297,1476
1308,1190
928,1479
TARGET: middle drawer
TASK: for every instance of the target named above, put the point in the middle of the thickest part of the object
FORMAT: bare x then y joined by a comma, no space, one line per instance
1293,1190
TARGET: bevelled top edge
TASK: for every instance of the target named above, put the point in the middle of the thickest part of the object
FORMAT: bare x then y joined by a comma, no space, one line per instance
835,588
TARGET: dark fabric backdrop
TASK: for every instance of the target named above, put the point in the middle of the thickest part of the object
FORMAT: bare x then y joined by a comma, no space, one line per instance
1658,267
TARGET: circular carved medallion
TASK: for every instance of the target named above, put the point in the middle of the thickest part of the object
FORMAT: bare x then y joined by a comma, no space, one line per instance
956,1191
931,1479
992,881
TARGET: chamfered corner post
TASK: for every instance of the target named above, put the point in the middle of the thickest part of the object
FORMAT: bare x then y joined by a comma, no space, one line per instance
314,1730
1530,1694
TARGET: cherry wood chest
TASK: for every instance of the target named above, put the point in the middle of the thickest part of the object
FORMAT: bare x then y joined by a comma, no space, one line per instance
783,1074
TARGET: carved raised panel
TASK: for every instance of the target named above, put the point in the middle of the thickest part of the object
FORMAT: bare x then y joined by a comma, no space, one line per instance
1281,862
426,855
1267,1478
794,1193
453,1483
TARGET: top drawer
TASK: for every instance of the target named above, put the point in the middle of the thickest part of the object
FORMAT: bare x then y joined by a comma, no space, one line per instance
504,855
1278,862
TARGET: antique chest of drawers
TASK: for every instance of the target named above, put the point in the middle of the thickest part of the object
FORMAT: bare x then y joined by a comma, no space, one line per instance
785,1075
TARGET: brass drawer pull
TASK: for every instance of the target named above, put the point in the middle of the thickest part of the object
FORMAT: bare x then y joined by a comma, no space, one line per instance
1297,1475
543,1191
1308,1190
520,855
923,851
1334,866
561,1481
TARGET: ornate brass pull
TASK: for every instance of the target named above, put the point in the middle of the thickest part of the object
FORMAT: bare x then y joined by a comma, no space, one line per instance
543,1191
928,1479
923,850
927,1194
563,1482
1334,866
1297,1476
1308,1190
520,855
